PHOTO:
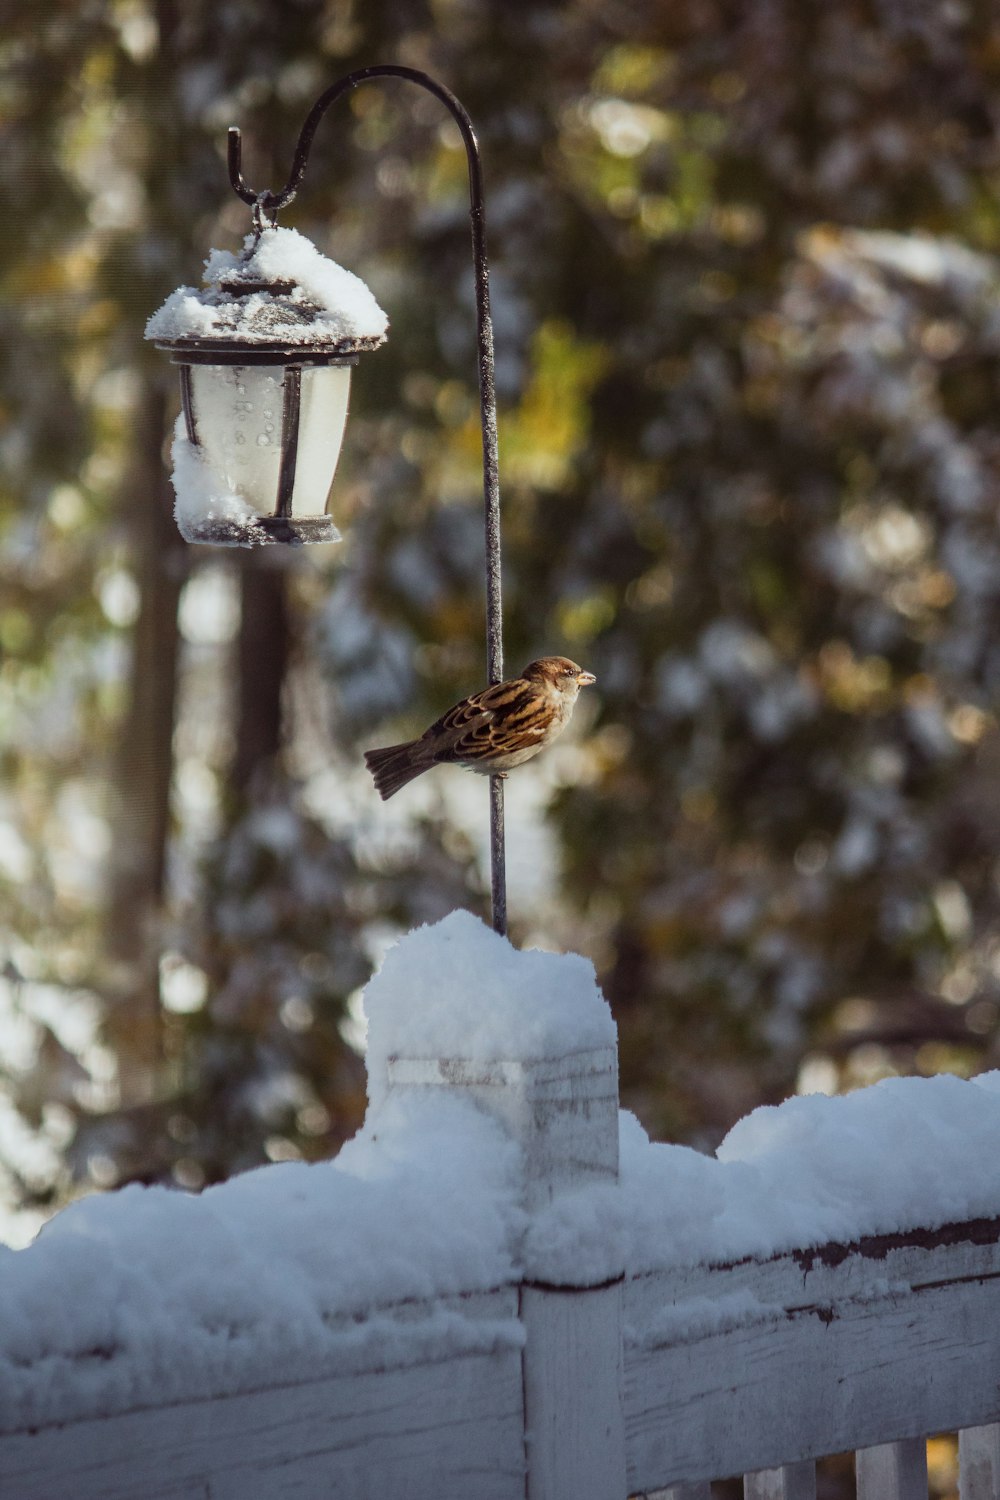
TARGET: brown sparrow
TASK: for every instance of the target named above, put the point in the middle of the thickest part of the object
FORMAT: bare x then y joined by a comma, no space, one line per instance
492,731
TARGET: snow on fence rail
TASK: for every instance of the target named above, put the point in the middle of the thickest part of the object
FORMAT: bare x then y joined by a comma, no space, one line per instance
500,1288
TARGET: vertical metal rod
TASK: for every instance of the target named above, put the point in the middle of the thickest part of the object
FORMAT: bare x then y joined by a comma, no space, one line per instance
491,501
498,869
269,203
292,394
187,404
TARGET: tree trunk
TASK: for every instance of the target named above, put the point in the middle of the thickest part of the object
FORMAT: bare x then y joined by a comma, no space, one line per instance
144,761
262,661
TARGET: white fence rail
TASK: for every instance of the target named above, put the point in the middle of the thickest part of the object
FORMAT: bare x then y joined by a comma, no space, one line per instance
866,1347
559,1387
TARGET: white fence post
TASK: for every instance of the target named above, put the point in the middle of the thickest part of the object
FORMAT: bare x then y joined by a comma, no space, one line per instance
575,1435
573,1367
563,1111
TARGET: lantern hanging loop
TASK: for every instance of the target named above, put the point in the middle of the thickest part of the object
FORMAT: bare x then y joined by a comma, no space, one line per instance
264,215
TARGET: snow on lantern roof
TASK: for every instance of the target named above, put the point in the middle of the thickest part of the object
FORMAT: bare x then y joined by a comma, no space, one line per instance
280,292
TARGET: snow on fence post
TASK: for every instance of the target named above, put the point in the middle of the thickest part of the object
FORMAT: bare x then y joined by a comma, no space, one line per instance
530,1039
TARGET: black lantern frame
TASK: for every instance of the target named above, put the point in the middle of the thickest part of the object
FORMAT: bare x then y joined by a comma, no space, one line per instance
283,526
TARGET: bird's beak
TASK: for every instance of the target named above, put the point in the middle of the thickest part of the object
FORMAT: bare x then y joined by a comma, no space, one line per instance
586,678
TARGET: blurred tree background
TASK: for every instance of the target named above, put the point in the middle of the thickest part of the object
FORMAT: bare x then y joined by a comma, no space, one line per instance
745,286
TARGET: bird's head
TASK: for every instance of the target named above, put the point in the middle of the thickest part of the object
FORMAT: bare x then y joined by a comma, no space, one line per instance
559,673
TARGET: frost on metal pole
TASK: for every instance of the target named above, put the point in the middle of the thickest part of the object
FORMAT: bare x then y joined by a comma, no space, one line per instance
265,354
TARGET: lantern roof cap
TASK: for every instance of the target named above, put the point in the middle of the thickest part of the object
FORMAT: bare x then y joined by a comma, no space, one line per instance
280,292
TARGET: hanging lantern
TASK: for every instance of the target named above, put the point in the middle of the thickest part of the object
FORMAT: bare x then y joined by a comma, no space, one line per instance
265,352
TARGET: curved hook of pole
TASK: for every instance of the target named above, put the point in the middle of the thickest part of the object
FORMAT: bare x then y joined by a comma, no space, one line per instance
266,205
276,201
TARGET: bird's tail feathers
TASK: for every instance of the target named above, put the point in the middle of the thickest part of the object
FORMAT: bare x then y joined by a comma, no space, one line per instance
393,767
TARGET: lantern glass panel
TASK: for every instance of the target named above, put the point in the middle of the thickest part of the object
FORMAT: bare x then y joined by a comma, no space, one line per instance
239,414
326,391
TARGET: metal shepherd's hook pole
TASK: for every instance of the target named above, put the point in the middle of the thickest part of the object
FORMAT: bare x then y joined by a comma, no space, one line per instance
269,203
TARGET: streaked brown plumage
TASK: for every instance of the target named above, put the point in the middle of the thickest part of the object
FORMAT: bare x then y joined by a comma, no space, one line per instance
490,732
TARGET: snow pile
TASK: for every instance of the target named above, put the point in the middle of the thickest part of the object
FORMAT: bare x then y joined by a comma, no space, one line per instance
325,303
459,990
907,1153
147,1295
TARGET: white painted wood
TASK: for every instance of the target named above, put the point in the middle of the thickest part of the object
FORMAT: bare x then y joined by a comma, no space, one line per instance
563,1110
699,1491
979,1462
432,1431
801,1279
892,1471
575,1433
394,1335
719,1383
793,1482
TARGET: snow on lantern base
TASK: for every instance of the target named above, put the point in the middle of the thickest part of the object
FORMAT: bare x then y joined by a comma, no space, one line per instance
209,510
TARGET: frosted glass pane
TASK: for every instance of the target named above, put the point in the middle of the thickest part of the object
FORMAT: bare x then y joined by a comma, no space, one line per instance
238,416
237,412
322,416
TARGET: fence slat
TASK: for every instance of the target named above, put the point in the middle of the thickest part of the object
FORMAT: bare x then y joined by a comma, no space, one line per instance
979,1463
893,1471
793,1482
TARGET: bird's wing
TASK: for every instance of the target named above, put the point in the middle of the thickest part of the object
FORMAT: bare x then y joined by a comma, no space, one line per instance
508,716
467,715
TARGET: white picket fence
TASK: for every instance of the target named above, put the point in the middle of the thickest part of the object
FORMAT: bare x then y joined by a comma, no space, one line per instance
651,1384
